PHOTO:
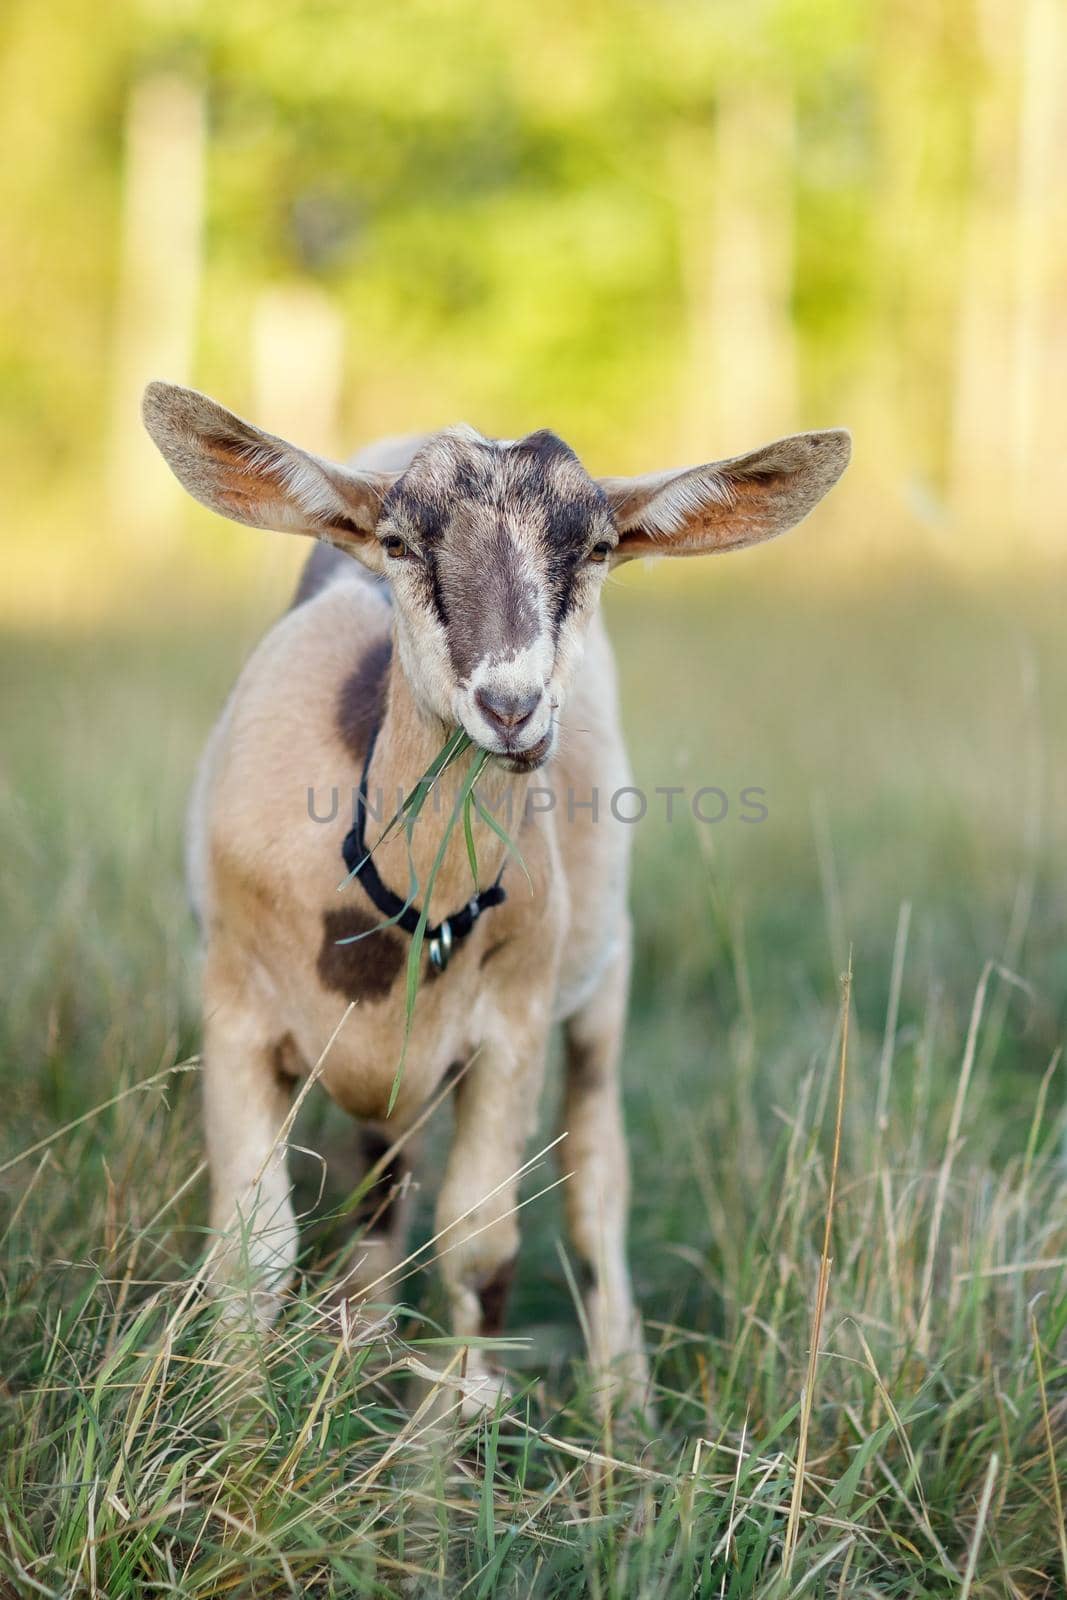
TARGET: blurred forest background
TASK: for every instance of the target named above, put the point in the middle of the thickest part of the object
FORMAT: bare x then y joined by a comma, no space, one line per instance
666,228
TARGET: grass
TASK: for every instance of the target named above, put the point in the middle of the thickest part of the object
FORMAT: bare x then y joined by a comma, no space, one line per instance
457,744
868,1398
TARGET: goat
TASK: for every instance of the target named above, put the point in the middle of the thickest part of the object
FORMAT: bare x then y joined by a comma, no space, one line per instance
471,603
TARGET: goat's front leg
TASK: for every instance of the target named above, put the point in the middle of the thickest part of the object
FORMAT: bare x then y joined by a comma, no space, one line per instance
382,1217
495,1110
597,1193
246,1101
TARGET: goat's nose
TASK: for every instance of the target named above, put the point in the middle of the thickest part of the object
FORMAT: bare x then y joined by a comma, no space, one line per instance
507,711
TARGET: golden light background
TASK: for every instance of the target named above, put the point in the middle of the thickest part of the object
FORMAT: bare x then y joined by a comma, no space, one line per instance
667,230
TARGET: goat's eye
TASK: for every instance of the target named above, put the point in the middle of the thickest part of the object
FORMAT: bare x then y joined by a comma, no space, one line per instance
600,551
393,545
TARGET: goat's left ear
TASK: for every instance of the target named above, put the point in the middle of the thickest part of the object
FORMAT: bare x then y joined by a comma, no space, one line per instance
726,505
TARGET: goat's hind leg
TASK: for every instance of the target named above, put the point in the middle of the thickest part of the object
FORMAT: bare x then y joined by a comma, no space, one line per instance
246,1101
594,1155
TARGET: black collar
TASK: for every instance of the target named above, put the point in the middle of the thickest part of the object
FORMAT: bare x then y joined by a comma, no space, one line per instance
440,940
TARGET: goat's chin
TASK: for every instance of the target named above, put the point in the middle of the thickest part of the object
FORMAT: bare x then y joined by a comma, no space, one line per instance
530,760
521,761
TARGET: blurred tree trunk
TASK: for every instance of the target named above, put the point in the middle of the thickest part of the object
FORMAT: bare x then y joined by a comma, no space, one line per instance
736,208
159,281
923,76
298,366
978,458
1039,481
1007,476
297,381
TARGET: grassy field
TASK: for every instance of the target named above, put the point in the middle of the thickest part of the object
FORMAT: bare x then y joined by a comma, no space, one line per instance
910,739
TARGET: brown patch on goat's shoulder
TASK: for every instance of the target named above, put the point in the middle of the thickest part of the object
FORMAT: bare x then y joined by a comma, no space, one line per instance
365,970
361,701
286,1060
493,1299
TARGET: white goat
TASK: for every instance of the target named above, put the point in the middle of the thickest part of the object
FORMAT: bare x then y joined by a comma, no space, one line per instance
458,586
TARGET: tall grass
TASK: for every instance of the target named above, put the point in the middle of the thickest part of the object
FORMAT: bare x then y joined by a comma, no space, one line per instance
914,1437
867,1398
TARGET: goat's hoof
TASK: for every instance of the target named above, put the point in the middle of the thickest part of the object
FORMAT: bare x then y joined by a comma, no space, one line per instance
622,1386
461,1396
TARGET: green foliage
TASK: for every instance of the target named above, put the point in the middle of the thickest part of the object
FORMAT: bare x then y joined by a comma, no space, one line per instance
500,200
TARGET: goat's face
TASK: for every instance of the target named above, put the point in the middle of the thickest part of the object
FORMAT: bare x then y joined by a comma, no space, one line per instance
496,553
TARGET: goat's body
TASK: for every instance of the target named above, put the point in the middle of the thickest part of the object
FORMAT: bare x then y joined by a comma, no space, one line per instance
496,553
265,873
265,879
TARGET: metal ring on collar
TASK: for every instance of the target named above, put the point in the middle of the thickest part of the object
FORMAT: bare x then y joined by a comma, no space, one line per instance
441,947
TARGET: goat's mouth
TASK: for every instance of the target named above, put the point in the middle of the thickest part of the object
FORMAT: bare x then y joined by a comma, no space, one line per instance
527,760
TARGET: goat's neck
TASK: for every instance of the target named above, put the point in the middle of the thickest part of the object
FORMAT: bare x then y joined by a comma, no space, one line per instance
408,742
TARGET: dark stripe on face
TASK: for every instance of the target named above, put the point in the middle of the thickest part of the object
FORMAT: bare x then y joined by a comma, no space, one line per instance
419,518
499,535
436,593
413,511
573,507
566,537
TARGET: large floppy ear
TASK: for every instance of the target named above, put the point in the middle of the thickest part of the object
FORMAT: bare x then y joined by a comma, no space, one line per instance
250,476
726,505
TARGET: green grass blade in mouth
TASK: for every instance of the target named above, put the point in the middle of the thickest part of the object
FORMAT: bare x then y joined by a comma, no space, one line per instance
504,836
418,937
412,804
468,831
390,922
468,806
407,815
450,752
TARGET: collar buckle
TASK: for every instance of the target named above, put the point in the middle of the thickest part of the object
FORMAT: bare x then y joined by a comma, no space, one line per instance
441,947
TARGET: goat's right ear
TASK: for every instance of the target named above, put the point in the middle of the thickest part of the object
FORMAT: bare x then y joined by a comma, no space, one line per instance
252,477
